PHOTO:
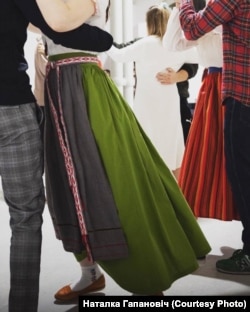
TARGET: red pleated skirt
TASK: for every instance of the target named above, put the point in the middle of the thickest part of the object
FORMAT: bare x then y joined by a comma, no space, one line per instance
203,177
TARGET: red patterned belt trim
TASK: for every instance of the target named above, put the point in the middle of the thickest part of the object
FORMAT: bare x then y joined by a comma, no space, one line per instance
57,115
74,60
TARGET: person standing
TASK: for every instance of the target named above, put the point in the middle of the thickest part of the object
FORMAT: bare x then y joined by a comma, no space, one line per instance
234,16
203,177
157,106
105,179
21,149
21,161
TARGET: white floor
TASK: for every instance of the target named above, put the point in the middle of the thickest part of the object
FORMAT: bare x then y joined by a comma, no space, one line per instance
59,267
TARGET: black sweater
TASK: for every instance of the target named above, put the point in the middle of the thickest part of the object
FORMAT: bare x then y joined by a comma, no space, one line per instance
15,15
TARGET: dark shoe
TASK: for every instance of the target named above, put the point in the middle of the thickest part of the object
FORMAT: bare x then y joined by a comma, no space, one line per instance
239,263
67,294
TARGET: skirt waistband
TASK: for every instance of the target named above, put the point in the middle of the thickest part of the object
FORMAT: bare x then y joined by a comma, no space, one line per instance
214,70
66,59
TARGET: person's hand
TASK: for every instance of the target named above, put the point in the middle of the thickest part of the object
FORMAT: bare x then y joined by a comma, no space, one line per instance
167,77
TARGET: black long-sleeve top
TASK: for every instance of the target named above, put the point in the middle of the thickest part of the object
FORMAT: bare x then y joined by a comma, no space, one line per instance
15,15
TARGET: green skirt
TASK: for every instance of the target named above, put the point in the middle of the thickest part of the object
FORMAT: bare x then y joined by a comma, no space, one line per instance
163,237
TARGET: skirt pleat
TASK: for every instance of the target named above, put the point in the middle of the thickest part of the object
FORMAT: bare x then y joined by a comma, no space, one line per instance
203,177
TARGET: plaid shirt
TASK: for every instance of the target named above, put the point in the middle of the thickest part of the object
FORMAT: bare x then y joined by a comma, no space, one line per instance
234,15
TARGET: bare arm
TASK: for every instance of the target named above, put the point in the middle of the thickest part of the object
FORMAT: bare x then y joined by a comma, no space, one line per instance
66,15
85,37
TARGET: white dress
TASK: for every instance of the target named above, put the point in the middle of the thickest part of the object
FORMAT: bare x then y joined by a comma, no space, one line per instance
157,106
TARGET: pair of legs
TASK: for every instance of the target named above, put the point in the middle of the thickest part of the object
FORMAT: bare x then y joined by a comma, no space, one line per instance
21,169
237,151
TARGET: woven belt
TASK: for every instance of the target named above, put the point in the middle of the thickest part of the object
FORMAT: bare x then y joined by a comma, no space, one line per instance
74,60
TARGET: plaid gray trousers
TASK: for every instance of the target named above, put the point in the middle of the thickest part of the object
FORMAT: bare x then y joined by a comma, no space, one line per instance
21,170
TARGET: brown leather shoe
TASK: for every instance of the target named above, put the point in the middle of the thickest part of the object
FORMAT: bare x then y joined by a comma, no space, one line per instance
66,294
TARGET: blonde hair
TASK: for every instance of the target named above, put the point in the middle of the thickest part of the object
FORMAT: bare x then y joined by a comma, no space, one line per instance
157,18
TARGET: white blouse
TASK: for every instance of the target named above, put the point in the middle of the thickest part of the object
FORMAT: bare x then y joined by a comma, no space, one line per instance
209,47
